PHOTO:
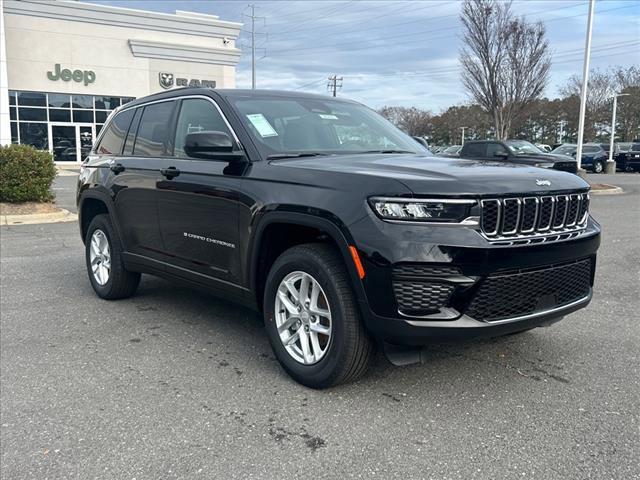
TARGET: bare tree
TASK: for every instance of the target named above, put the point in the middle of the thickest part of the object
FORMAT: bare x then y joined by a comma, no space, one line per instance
412,120
505,60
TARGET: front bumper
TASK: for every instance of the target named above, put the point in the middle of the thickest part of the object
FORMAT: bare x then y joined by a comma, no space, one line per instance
464,264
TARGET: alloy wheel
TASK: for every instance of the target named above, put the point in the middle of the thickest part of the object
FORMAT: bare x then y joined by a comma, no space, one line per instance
303,317
100,257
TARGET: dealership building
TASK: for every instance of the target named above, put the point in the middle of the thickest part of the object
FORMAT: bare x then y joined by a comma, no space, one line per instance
66,65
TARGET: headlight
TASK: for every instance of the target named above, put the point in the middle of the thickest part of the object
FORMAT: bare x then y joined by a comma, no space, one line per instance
544,165
422,210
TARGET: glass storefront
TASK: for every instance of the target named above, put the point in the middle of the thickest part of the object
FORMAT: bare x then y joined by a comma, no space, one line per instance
64,124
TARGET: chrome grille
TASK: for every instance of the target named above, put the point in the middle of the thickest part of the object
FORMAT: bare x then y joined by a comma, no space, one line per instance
505,219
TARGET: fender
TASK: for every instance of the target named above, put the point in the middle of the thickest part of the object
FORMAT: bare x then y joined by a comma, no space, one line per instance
327,223
105,198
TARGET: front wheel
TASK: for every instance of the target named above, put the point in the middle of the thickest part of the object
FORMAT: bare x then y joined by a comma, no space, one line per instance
109,279
311,318
598,167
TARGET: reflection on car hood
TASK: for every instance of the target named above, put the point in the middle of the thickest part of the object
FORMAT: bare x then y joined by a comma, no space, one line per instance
548,157
428,175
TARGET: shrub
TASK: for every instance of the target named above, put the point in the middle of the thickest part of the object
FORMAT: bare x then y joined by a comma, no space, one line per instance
26,174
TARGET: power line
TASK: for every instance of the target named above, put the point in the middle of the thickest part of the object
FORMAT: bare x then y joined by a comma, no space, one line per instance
428,19
309,84
320,48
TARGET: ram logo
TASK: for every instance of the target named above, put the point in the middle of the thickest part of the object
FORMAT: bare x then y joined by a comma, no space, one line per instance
543,183
166,79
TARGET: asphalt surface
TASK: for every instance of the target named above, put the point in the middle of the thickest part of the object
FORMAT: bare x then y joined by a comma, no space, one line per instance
174,383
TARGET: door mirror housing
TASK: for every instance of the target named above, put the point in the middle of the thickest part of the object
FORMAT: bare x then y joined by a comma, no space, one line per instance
502,155
212,145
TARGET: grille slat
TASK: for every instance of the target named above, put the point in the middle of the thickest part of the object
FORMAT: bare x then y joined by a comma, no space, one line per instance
510,295
515,217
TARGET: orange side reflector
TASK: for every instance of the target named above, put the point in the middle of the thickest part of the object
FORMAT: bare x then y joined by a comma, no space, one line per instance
356,261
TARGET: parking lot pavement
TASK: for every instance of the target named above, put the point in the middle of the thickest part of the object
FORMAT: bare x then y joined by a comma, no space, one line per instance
174,383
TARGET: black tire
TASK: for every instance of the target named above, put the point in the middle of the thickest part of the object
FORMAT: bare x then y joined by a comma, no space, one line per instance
121,283
350,348
598,167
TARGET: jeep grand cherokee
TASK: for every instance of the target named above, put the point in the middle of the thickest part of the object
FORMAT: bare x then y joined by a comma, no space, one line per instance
343,231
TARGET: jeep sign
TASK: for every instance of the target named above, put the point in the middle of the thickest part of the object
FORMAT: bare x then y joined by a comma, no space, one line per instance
66,75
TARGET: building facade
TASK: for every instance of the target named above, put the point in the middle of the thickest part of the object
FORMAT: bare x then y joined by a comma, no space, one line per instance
69,64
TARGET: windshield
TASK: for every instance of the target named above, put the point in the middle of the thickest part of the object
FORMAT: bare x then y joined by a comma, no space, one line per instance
294,126
624,147
565,150
522,147
635,147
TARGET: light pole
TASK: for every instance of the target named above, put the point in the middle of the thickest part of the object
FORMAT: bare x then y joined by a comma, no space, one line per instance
463,129
585,83
611,164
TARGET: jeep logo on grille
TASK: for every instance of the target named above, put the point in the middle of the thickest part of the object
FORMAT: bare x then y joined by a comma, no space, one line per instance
541,183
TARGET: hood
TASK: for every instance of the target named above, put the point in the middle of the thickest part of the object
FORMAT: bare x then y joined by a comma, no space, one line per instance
429,175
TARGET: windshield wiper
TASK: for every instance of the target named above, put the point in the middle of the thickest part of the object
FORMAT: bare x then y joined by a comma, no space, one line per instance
385,151
276,156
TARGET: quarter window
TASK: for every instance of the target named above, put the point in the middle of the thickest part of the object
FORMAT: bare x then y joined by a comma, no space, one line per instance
151,139
197,115
111,142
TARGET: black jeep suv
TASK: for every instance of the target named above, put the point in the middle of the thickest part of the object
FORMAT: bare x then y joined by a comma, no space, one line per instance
342,230
516,151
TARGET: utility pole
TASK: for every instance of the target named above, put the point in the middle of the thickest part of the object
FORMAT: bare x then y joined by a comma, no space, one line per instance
334,84
463,129
585,82
562,124
611,164
254,47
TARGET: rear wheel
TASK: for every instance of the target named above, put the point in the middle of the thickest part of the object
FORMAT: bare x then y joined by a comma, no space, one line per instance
108,277
311,318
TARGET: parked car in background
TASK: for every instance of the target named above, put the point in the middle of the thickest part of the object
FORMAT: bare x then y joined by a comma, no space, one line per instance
594,157
544,147
629,157
451,151
516,151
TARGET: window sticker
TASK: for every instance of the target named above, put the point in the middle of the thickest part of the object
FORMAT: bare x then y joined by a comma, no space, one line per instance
262,125
326,116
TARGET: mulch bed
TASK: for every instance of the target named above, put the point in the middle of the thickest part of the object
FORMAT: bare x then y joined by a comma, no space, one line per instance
27,208
602,186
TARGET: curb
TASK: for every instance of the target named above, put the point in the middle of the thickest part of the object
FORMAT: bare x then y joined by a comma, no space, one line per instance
35,218
66,173
611,190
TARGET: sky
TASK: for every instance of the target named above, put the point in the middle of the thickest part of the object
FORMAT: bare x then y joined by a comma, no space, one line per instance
401,53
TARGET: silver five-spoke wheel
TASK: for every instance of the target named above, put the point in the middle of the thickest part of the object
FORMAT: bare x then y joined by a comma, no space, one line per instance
100,257
303,317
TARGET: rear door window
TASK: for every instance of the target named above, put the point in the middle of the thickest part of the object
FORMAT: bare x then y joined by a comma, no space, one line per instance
113,138
152,139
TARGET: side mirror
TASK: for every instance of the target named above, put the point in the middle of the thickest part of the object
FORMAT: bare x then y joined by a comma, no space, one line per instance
212,145
501,155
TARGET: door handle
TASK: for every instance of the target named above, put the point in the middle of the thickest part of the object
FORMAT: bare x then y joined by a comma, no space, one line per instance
170,172
117,168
